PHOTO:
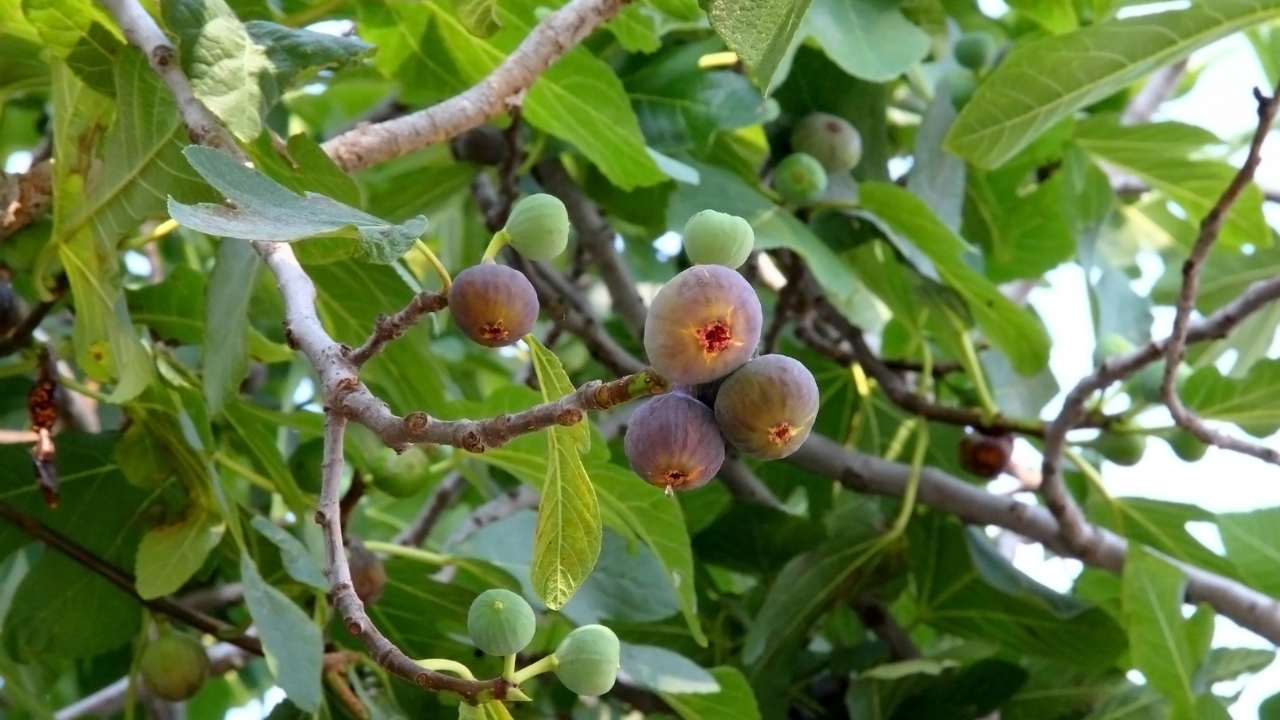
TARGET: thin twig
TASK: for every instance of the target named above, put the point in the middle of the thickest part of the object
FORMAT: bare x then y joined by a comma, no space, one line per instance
122,580
343,592
745,486
391,327
504,505
1210,229
558,33
442,498
876,617
20,336
1154,94
1078,534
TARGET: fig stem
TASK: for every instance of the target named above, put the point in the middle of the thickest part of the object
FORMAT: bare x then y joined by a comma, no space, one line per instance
989,408
409,553
509,667
546,664
913,481
446,281
442,664
500,238
1087,469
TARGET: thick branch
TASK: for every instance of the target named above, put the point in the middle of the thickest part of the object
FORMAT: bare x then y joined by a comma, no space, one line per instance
596,235
121,579
343,592
745,486
558,33
1210,229
1077,533
868,474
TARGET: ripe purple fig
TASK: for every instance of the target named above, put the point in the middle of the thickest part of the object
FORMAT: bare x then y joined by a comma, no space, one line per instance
985,455
767,408
493,304
702,325
672,441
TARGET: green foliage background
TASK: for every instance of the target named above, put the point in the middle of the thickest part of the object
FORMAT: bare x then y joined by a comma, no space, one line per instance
200,468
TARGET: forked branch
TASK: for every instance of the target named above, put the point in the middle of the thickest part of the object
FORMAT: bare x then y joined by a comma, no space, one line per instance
1210,229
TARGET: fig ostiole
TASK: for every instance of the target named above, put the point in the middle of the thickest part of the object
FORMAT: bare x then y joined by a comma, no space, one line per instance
538,227
702,325
716,238
493,305
673,442
767,408
174,666
501,622
831,139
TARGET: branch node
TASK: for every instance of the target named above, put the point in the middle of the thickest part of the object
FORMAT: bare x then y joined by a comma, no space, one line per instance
416,422
569,416
471,442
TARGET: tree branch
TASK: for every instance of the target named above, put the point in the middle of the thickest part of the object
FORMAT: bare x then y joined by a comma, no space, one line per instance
558,33
1210,229
867,474
122,580
1077,533
1154,94
442,498
598,237
391,327
343,592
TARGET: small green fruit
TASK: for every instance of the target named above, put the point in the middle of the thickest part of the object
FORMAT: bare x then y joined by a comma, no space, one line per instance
830,139
500,622
539,227
800,179
1186,446
588,660
1121,448
975,50
1147,383
1110,346
174,666
716,238
960,85
401,475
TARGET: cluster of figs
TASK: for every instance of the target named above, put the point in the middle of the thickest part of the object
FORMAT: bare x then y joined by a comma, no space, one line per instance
701,336
501,623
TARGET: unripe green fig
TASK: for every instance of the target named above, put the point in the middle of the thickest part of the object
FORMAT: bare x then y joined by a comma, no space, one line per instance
975,50
1121,448
960,85
500,622
800,179
588,660
1147,384
174,666
716,238
538,227
1186,446
1110,346
401,475
830,139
